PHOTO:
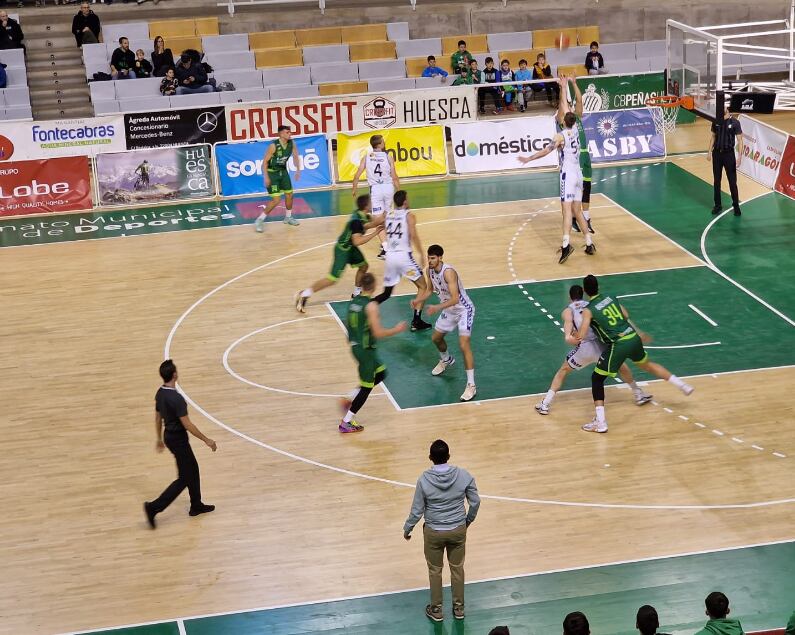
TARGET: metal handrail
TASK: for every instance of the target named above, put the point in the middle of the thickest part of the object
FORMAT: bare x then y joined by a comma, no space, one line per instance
231,4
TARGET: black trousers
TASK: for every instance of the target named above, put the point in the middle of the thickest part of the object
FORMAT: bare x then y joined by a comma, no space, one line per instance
552,89
495,95
187,476
725,160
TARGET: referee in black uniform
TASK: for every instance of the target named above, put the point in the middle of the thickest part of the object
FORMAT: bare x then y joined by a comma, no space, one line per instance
172,425
725,133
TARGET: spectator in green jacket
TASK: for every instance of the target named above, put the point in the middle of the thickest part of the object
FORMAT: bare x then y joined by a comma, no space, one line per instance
461,59
471,76
647,621
718,624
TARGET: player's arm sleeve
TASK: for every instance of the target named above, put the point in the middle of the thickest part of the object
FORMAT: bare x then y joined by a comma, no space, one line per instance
473,498
417,509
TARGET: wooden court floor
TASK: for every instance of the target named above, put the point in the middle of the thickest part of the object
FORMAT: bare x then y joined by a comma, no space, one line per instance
304,513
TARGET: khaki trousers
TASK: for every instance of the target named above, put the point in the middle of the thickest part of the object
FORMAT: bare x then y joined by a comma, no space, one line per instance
454,542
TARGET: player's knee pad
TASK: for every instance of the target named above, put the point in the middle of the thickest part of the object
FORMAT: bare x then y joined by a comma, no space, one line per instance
598,386
384,295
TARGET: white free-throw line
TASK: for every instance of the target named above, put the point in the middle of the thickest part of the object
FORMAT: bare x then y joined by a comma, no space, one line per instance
636,295
702,314
683,346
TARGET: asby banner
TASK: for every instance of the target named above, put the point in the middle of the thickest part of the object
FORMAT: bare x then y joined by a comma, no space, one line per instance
619,135
376,111
175,127
497,145
785,183
158,174
59,138
762,152
45,185
240,165
415,151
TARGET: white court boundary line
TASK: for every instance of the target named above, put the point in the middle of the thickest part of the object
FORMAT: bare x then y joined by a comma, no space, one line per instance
516,576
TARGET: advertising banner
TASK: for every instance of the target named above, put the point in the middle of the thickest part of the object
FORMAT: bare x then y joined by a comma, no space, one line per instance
240,165
620,135
764,148
416,151
160,174
618,92
377,111
45,185
60,138
175,127
497,145
785,183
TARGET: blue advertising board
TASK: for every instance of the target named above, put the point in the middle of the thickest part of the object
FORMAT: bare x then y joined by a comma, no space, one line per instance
240,165
619,135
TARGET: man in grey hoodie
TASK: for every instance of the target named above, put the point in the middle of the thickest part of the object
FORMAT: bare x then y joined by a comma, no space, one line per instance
439,496
717,610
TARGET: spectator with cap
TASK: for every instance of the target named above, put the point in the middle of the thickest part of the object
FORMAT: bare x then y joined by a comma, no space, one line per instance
86,26
122,62
726,132
11,35
647,621
191,77
717,610
594,62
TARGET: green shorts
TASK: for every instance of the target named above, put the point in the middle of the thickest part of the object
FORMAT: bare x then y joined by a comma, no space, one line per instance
369,365
342,258
628,347
280,183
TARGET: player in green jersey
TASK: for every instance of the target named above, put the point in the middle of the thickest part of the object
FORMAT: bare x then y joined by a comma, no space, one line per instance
346,252
364,330
585,155
277,178
610,322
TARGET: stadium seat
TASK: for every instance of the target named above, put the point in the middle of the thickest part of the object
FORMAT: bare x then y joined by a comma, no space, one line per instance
271,40
142,104
130,30
397,31
545,38
420,48
105,106
134,88
179,44
516,41
224,43
385,85
573,55
13,57
586,35
326,54
16,77
276,58
382,70
434,82
290,76
18,96
649,48
244,96
233,60
475,44
342,88
364,33
243,80
364,51
481,58
514,56
319,36
624,51
334,73
199,99
415,66
206,26
95,59
172,28
293,92
102,91
578,70
18,112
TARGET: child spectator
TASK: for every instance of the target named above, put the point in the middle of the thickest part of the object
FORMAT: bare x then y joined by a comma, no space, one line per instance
507,91
717,609
541,70
647,621
85,26
490,76
525,92
122,61
168,86
142,66
594,62
461,59
471,76
433,70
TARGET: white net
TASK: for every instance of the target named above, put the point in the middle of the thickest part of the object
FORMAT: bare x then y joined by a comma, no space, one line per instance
665,118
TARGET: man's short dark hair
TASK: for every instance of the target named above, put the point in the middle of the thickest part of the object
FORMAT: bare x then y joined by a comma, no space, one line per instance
460,42
505,62
362,201
717,605
368,282
431,58
590,285
595,43
576,624
121,39
489,59
569,119
500,630
400,198
575,292
472,62
280,128
647,621
436,250
167,370
440,452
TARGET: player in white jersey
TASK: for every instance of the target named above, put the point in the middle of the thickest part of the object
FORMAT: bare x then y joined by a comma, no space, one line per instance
401,232
456,311
567,143
584,353
382,178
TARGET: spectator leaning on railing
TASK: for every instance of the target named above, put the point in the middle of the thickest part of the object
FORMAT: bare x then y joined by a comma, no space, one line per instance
122,62
86,26
162,58
594,62
11,35
191,77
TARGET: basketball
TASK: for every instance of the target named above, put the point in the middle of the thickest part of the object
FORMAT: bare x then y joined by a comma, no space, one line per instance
562,41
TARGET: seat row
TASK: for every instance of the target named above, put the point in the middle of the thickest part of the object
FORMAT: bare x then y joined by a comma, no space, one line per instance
15,98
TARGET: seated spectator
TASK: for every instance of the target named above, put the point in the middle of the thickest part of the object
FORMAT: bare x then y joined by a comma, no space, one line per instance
162,58
718,624
433,70
191,77
122,62
461,59
490,76
11,35
647,621
594,62
525,91
3,76
169,84
790,625
576,624
142,66
472,76
541,70
86,26
500,630
507,91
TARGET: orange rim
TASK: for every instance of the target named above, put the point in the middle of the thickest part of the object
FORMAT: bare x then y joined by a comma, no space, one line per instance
664,101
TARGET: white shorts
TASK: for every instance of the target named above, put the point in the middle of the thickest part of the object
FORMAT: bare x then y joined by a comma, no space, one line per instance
460,319
381,197
585,354
399,264
571,185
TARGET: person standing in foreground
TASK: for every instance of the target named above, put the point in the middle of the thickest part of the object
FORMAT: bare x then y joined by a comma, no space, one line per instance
172,425
277,178
624,341
717,605
364,330
725,133
439,497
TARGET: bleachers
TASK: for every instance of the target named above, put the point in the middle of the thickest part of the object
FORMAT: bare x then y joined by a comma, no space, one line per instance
15,98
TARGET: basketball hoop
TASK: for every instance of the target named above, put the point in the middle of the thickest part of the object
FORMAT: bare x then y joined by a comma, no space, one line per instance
664,110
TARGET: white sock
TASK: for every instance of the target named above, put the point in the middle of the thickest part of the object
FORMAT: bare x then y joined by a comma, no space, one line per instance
676,381
586,214
600,414
348,417
288,214
565,240
306,293
445,357
357,290
588,239
471,376
635,388
549,397
262,216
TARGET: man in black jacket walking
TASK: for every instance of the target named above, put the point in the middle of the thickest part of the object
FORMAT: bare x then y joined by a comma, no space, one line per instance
86,26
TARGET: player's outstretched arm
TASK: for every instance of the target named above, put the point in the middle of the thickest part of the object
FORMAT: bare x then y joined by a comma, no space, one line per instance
268,156
577,97
358,175
568,327
563,103
374,320
582,333
556,141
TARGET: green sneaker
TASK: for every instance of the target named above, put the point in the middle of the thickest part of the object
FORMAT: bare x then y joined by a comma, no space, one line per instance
289,220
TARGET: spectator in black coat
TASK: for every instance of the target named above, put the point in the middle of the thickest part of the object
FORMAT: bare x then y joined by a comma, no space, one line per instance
162,58
11,35
594,62
122,62
191,77
86,26
142,66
